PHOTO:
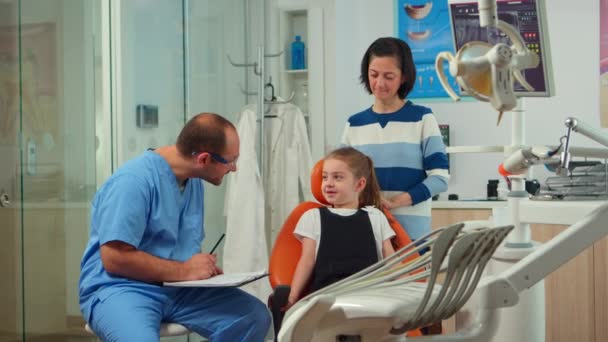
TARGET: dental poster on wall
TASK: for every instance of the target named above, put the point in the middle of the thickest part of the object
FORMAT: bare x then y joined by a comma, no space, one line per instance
604,63
425,26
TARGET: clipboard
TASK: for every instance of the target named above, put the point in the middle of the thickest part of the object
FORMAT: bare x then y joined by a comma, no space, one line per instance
222,280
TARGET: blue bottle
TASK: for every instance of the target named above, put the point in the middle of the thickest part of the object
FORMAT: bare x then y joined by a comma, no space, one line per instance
297,53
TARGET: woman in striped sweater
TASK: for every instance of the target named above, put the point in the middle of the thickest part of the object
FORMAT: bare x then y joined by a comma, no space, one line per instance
402,138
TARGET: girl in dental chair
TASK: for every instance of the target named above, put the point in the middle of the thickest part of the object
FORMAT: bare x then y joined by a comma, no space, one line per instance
350,235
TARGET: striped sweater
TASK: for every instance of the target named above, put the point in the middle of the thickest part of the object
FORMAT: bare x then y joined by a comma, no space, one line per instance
409,156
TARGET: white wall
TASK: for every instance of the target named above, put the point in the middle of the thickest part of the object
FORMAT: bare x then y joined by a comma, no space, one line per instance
152,65
574,38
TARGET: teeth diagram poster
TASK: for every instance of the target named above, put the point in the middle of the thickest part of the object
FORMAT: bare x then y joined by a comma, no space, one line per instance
425,26
604,63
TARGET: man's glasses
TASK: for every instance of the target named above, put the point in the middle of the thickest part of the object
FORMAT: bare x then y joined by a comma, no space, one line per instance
219,159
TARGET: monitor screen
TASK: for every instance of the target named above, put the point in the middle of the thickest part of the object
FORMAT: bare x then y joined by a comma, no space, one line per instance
529,19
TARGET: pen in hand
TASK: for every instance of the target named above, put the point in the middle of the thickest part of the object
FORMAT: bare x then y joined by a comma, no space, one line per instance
217,244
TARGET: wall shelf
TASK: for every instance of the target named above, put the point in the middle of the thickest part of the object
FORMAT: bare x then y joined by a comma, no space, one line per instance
306,22
296,71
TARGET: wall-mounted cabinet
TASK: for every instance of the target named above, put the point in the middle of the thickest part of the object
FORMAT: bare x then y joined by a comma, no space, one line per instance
293,79
306,84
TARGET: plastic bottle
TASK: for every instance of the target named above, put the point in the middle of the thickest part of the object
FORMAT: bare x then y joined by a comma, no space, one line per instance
297,53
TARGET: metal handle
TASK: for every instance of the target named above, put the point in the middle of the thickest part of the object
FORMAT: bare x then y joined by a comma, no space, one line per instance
4,200
564,157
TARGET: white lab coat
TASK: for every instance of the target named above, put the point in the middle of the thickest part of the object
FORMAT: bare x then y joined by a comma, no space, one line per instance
245,248
288,163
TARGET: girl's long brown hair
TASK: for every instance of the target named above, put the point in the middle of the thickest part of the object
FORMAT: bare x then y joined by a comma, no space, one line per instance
361,166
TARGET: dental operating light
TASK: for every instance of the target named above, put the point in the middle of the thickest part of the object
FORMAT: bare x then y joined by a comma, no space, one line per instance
488,70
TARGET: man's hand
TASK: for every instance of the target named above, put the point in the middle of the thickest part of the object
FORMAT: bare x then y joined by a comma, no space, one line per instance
201,266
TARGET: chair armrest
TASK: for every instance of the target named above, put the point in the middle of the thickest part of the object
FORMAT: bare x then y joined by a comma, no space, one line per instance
276,302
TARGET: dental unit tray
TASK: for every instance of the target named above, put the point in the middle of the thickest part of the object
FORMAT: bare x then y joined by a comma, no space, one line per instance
586,181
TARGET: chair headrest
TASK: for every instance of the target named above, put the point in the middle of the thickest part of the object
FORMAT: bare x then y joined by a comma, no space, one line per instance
316,178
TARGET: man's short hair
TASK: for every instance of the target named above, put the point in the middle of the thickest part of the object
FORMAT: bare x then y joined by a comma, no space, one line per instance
205,132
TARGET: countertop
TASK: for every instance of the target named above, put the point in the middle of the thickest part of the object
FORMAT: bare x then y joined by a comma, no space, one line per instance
548,212
466,204
557,212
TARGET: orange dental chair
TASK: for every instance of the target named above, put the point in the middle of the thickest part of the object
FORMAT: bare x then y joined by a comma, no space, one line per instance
287,250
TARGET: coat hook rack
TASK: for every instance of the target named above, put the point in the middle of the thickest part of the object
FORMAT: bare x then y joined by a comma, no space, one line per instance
246,92
259,70
254,65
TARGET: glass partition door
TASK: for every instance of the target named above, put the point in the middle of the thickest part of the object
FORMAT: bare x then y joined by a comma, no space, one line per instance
73,74
11,294
47,176
59,56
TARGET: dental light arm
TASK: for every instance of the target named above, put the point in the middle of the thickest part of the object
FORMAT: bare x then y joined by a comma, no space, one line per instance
579,126
487,13
521,160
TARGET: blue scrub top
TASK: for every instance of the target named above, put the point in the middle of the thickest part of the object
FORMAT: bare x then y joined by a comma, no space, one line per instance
141,204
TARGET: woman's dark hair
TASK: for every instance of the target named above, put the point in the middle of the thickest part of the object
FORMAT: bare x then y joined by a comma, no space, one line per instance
398,49
361,166
205,132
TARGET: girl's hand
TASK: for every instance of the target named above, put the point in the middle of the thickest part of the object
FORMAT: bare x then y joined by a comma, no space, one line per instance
290,302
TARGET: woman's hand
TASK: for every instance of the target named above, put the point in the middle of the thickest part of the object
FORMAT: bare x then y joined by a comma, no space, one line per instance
404,200
387,203
401,200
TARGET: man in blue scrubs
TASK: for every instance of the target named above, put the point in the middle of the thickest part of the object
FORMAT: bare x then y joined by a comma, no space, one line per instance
147,228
